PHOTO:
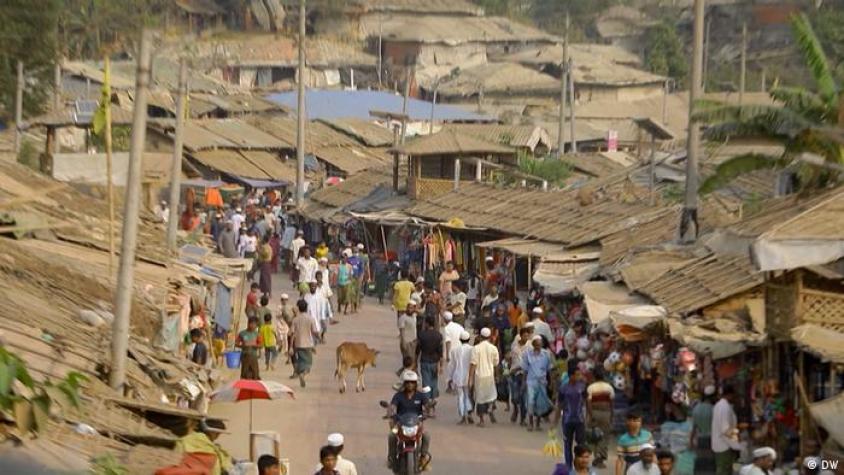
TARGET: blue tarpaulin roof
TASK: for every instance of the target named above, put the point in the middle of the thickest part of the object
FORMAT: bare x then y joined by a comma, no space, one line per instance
335,104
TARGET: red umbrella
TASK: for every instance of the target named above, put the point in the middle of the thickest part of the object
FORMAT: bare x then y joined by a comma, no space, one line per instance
250,389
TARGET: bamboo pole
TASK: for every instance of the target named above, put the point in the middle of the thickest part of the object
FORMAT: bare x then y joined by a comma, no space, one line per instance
19,108
561,142
176,165
109,177
300,113
689,220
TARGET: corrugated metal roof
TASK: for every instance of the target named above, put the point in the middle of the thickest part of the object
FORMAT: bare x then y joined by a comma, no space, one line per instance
524,247
703,282
332,104
450,142
277,168
499,78
353,188
527,136
350,160
196,137
230,162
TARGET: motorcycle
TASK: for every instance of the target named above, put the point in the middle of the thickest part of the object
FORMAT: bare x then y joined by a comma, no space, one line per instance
408,430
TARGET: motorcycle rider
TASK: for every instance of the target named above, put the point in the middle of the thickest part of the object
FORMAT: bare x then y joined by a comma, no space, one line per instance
408,401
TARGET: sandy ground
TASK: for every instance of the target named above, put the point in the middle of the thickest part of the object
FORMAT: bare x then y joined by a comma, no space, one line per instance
320,409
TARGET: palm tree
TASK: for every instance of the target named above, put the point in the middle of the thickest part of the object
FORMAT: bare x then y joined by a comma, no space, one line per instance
802,121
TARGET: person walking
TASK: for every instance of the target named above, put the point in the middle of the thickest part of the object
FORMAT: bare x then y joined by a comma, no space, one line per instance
407,331
630,443
269,342
485,358
646,465
227,241
265,267
328,461
763,462
249,341
725,432
535,364
402,291
343,466
701,437
345,284
451,334
665,462
599,413
571,400
307,267
317,308
518,391
459,362
447,277
430,351
304,331
582,465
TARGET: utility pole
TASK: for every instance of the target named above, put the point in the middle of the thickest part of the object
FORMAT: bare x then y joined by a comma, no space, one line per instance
433,106
407,78
19,108
109,166
665,102
561,141
176,166
571,106
57,86
743,74
688,219
300,113
380,59
123,299
705,56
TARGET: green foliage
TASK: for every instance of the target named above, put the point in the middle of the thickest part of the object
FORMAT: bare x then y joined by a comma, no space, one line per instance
29,35
549,169
673,193
798,122
829,28
108,465
121,139
29,403
664,51
28,154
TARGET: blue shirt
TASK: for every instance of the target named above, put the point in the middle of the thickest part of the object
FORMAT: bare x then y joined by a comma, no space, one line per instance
536,366
572,401
357,266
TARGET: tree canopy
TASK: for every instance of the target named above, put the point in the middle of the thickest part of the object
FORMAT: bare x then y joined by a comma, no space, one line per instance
664,51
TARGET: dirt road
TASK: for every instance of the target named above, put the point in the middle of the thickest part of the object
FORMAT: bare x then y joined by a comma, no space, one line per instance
320,409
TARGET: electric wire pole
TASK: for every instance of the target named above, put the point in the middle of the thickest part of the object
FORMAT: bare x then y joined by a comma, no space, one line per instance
561,142
689,217
19,108
123,299
176,166
300,113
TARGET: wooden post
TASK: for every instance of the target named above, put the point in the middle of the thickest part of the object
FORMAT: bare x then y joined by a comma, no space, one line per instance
652,171
395,160
380,59
407,78
763,83
433,105
19,108
176,166
57,86
705,56
572,138
530,271
479,171
665,102
125,288
300,112
561,142
109,178
743,73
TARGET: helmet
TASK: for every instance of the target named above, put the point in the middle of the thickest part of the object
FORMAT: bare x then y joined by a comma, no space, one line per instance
619,382
409,377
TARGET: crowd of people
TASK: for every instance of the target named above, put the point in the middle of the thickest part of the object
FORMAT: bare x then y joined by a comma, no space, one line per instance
469,335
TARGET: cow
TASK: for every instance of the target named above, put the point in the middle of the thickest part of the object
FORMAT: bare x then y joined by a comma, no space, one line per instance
354,355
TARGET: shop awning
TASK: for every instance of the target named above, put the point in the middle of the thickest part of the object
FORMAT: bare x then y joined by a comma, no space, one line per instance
255,183
523,247
603,298
827,414
203,183
720,337
562,277
821,342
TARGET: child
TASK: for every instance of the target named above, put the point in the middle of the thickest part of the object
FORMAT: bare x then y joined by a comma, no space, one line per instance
199,355
282,336
268,338
328,458
269,465
252,301
249,341
218,343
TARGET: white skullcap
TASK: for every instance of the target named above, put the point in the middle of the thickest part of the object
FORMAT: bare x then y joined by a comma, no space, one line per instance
537,310
529,325
464,336
709,390
335,440
764,452
300,232
489,258
347,252
646,446
536,337
284,297
420,280
360,245
448,316
486,332
323,259
238,209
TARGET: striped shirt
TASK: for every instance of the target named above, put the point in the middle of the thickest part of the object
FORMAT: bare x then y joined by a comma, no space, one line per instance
630,445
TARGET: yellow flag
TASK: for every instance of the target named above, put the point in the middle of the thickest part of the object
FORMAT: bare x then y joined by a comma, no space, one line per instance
99,120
